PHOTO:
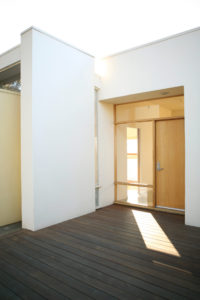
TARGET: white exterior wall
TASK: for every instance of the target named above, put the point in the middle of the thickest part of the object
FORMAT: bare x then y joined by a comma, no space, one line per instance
165,64
27,198
105,153
58,181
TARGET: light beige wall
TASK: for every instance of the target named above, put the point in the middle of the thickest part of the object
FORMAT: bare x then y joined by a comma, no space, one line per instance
10,179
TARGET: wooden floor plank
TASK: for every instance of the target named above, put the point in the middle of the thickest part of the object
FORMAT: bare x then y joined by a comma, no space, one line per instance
160,241
32,259
29,277
6,294
22,262
89,250
136,277
97,270
104,255
120,214
128,223
114,242
130,230
43,259
16,286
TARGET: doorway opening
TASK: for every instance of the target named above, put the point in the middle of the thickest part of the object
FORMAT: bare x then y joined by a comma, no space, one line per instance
150,154
10,162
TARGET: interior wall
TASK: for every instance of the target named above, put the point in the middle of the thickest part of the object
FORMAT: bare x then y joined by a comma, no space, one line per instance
10,177
169,63
58,156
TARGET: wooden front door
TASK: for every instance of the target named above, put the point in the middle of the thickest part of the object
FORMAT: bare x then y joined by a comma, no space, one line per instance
170,164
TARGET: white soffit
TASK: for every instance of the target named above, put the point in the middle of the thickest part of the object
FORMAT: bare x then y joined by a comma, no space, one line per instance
169,92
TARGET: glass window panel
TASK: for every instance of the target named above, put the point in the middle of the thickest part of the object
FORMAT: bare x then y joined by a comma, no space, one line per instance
132,146
135,195
151,109
132,169
134,143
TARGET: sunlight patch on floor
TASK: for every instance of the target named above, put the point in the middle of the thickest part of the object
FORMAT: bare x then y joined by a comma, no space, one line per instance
153,235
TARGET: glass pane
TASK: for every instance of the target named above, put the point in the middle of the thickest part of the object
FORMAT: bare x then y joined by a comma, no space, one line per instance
151,109
134,144
135,195
132,168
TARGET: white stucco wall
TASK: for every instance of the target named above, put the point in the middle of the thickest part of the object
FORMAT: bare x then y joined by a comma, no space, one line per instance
105,153
27,197
160,65
58,181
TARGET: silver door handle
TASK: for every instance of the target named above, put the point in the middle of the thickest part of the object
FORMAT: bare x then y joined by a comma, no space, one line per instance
158,168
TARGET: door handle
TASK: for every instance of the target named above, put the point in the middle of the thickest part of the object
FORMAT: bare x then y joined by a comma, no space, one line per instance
158,168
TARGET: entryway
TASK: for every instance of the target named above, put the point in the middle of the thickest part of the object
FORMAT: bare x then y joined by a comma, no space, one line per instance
150,154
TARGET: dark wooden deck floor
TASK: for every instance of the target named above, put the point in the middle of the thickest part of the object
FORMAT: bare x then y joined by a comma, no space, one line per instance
114,253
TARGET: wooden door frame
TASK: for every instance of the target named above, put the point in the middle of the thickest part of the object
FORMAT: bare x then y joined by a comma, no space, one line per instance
116,183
